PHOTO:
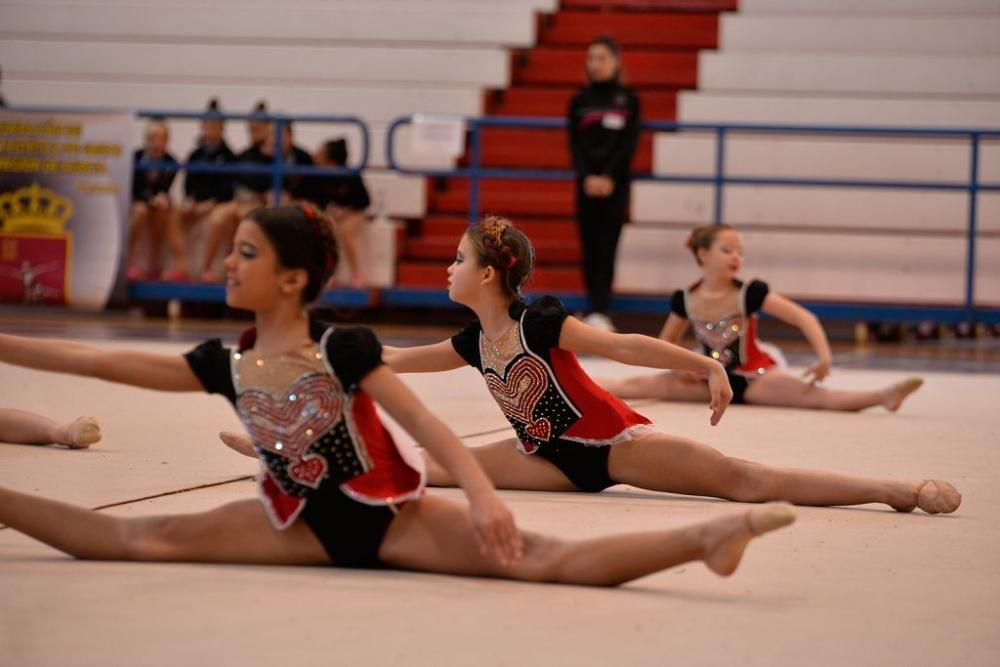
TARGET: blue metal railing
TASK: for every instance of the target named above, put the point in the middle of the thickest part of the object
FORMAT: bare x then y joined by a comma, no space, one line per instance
719,179
207,293
278,169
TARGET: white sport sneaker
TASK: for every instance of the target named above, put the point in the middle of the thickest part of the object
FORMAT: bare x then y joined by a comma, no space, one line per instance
600,321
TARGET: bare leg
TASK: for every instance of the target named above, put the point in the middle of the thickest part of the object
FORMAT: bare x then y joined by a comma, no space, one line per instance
784,390
27,428
507,468
221,227
347,229
138,223
160,219
436,535
667,463
430,534
235,533
177,222
663,386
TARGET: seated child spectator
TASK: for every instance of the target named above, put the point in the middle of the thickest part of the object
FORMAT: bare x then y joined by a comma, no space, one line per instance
254,190
344,199
203,191
151,205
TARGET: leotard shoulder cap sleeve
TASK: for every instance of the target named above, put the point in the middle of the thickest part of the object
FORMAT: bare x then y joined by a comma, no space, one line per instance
466,343
677,305
210,362
352,353
755,294
543,321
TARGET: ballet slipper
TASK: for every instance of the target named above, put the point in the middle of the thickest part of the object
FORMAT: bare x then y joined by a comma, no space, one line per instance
723,557
82,433
770,517
899,391
238,442
934,496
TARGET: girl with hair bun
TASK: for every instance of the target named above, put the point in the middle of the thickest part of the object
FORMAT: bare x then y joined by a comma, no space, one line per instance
334,488
722,310
571,435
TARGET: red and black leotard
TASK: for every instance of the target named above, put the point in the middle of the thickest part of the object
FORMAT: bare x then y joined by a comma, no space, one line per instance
557,411
732,340
325,456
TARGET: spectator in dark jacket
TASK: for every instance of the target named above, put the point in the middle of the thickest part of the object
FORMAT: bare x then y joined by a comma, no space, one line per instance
203,191
151,204
603,121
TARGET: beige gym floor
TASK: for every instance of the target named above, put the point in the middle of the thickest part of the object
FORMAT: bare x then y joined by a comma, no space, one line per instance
863,586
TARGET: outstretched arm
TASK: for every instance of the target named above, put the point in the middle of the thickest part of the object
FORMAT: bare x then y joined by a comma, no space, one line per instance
639,350
493,522
673,328
788,311
423,358
141,369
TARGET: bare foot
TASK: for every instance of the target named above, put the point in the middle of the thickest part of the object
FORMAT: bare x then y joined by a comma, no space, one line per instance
727,538
934,496
80,434
238,442
897,393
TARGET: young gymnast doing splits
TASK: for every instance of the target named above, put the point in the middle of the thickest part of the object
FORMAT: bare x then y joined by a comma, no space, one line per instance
334,487
570,434
722,310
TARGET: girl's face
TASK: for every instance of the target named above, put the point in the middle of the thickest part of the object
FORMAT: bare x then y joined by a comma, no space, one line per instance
601,63
465,275
259,130
253,273
211,131
725,257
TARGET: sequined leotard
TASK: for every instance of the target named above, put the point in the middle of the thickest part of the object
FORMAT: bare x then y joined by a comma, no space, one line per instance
731,340
324,454
556,410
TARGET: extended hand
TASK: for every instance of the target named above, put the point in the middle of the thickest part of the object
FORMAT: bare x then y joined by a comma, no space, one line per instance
598,186
722,393
818,371
496,532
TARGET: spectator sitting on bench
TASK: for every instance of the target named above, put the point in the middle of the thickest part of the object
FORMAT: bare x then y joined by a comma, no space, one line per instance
151,205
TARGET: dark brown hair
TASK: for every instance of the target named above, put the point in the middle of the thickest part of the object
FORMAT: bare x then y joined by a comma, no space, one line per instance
703,237
498,243
302,239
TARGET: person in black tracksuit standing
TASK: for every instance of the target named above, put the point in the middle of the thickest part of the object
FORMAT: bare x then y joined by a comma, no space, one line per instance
603,131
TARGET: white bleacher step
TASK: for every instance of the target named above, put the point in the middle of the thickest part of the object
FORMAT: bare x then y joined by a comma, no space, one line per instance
880,75
821,266
436,5
853,34
228,64
289,101
914,158
801,109
913,211
903,7
376,104
495,24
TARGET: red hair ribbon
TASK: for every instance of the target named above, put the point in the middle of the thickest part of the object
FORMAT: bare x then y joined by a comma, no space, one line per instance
511,262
